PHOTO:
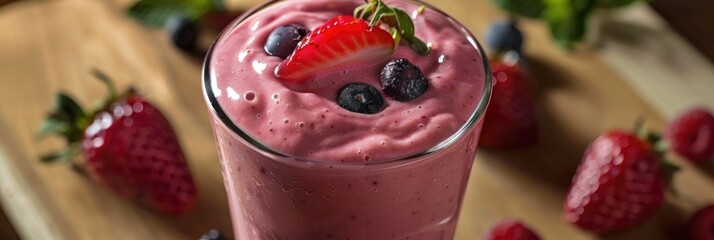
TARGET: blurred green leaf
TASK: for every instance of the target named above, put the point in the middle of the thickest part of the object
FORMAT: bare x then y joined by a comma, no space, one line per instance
64,118
525,8
218,4
157,12
51,126
567,20
614,3
63,155
68,108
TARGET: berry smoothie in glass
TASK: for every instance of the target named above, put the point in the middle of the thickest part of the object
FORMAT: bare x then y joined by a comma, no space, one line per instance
346,119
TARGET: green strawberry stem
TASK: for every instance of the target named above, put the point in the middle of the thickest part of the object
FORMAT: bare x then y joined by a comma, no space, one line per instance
64,118
660,147
107,82
401,25
69,120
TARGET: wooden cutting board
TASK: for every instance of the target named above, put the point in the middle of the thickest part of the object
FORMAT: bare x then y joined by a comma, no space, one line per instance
48,46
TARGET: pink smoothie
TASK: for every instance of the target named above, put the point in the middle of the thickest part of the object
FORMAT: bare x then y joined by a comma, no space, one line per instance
341,182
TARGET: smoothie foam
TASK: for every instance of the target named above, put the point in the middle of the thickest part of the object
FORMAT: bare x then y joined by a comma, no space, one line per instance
304,120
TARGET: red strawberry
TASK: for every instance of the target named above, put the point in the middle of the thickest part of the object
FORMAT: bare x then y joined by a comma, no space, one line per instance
620,183
343,43
510,230
692,135
510,120
130,148
701,225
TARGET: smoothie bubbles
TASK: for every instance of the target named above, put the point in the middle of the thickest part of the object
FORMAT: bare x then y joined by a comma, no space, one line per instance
340,119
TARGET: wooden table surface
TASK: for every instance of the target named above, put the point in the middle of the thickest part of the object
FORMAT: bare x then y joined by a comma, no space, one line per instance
51,45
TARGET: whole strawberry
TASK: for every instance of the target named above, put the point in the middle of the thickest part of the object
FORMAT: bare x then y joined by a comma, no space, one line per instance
620,183
692,135
510,120
701,225
128,147
510,230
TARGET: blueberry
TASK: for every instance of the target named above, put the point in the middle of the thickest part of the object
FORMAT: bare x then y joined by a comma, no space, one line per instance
360,98
183,32
213,235
283,40
504,36
402,81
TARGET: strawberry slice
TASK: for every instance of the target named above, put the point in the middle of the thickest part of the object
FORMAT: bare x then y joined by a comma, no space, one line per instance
343,43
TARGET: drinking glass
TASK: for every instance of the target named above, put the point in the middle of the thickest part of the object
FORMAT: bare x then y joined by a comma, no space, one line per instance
273,195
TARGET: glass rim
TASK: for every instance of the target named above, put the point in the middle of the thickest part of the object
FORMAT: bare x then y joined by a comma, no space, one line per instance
216,109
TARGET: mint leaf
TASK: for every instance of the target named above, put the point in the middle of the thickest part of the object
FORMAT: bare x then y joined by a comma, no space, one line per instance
401,25
157,12
525,8
419,47
406,28
614,3
567,20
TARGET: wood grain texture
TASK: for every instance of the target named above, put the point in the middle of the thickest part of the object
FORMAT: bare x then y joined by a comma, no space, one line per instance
668,72
689,18
27,209
51,45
